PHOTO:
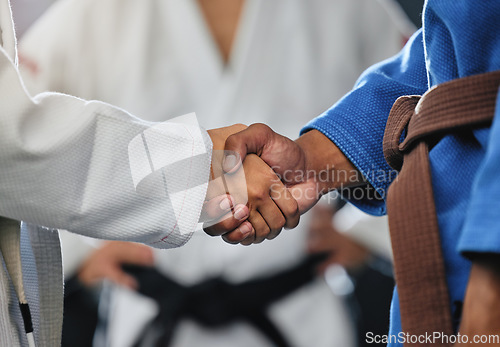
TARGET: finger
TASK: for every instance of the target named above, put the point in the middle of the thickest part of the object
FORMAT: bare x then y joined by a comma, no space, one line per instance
273,217
216,208
249,240
227,223
240,234
251,140
286,204
260,227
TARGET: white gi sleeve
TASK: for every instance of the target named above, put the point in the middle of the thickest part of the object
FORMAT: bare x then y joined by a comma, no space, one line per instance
94,169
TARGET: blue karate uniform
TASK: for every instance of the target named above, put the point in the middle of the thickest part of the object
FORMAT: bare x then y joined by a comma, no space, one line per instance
459,38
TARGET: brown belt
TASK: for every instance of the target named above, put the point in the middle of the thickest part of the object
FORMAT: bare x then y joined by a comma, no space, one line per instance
419,267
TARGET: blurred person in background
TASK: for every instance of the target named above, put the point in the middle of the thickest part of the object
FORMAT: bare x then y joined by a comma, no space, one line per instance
72,163
276,62
359,265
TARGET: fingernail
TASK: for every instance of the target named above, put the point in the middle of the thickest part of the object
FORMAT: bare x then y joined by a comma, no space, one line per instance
225,204
240,213
245,229
229,162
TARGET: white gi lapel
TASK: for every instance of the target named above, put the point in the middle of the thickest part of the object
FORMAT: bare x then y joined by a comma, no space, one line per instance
236,69
10,231
196,54
10,247
43,278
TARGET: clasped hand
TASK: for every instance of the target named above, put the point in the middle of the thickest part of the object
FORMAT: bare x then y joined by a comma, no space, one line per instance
261,182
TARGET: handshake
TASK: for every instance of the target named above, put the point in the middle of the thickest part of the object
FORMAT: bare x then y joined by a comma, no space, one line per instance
261,182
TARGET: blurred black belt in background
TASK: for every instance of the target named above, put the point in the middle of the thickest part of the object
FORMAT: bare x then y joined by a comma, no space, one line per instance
216,303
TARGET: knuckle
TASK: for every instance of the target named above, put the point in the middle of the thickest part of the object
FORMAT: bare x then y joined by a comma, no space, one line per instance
280,223
231,141
293,210
292,222
257,193
265,231
278,230
262,195
273,235
261,127
261,236
262,231
273,178
249,240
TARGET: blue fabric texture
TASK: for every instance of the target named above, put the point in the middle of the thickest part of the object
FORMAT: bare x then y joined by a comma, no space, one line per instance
481,232
459,38
356,123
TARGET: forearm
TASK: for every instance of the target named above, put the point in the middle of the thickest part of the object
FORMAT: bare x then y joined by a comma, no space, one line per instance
326,163
481,310
67,163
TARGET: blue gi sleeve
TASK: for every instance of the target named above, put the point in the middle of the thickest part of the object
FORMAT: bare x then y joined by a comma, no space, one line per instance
357,122
481,232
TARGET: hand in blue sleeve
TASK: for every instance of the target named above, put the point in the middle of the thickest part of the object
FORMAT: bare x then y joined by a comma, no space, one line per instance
357,122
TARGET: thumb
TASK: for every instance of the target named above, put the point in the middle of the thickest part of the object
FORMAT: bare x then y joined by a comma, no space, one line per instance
251,140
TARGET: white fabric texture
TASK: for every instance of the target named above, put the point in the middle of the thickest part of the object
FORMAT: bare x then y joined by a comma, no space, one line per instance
291,60
65,164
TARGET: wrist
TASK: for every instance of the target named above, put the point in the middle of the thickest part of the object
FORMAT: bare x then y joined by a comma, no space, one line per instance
326,163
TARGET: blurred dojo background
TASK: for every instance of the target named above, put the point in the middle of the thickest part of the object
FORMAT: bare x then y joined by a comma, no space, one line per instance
280,62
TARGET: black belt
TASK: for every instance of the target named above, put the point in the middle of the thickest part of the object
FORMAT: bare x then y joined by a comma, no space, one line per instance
217,303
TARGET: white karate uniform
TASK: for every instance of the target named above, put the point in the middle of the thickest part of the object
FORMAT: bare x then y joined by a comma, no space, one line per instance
291,59
65,164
